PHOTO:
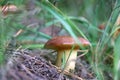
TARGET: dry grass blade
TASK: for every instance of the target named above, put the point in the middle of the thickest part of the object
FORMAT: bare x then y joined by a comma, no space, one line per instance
67,73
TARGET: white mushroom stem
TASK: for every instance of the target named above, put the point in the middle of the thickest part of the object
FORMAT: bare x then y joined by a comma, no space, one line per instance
70,58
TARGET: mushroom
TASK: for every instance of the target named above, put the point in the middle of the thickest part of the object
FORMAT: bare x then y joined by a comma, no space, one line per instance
66,45
9,9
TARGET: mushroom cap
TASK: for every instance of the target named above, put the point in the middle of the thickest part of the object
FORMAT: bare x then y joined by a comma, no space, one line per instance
9,8
65,42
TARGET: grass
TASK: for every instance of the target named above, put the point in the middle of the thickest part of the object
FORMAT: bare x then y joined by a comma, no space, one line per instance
84,23
3,41
117,59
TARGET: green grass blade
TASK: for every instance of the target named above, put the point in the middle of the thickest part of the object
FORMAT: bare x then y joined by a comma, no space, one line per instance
33,31
117,59
33,46
68,24
2,41
110,23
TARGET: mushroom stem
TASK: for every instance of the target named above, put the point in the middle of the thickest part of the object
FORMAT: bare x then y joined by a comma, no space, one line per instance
70,59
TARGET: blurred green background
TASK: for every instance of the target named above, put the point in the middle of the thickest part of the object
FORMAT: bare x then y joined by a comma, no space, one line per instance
36,21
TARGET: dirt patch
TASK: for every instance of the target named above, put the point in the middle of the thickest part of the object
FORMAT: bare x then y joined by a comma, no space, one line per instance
23,65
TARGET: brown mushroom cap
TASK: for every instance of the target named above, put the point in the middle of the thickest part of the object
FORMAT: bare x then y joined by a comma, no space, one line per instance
65,42
6,9
11,8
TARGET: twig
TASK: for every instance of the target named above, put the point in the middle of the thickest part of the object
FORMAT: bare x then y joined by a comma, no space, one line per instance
18,33
68,73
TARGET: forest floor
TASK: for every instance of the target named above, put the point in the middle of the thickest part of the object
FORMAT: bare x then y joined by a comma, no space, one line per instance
34,65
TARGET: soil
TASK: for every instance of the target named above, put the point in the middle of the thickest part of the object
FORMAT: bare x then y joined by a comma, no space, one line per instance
30,65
